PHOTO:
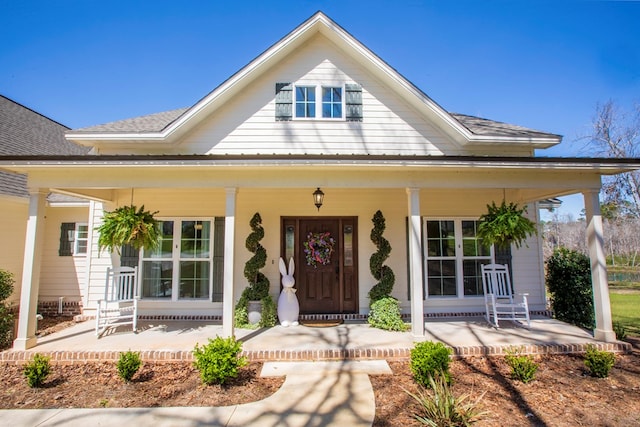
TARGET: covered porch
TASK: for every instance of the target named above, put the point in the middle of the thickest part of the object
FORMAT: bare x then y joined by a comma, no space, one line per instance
233,188
352,340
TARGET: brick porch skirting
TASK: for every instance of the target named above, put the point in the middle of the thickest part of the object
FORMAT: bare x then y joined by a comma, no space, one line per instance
311,355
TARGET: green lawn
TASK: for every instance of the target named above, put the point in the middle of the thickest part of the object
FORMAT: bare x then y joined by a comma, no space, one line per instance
625,309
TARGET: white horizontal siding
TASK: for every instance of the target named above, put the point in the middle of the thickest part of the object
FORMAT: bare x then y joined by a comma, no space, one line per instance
13,226
61,276
247,125
528,269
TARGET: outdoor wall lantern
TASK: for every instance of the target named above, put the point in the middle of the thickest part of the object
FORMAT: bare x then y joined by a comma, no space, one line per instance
318,197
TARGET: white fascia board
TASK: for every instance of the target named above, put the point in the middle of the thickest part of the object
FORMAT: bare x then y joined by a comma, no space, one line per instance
453,127
217,96
593,166
240,79
388,73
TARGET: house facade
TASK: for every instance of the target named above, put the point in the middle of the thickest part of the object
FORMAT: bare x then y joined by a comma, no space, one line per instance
316,111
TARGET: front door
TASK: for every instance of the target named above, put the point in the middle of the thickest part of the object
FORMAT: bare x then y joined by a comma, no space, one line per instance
325,254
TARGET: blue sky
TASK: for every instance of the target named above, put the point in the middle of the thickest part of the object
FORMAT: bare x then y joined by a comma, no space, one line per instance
541,64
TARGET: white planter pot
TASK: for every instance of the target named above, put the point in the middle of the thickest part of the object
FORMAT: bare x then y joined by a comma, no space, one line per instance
254,311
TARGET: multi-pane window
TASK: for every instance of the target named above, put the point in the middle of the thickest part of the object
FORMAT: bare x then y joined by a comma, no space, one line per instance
81,234
305,101
180,267
326,99
332,102
454,256
441,262
195,254
474,254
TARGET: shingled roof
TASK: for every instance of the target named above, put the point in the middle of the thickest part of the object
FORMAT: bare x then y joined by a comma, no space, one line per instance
159,121
149,123
480,126
26,132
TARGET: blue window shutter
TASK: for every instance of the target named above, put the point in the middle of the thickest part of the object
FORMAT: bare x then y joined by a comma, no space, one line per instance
284,101
67,232
353,102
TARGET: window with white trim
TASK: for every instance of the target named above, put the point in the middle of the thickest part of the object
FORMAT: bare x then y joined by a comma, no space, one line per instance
321,102
181,267
332,102
305,101
81,234
453,257
309,100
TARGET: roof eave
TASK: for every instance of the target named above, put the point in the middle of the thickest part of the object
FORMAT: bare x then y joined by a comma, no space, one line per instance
601,165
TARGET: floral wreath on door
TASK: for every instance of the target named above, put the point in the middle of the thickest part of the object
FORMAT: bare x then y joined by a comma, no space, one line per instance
318,248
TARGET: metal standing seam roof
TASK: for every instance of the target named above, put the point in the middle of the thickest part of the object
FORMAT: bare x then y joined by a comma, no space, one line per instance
26,132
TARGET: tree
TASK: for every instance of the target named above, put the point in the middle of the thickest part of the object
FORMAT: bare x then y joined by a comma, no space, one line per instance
616,134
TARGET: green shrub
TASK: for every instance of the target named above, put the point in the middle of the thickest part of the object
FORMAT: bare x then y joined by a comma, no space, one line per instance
385,314
37,370
443,408
269,313
6,284
620,330
128,364
523,367
6,318
430,359
218,361
569,282
599,362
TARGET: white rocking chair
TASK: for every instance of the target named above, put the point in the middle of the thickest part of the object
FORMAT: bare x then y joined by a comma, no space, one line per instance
499,299
120,303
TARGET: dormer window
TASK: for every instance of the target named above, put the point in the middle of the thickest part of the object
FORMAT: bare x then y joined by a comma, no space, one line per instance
318,102
305,102
332,102
311,99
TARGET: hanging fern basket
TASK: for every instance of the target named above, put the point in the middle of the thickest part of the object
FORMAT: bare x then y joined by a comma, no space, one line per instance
129,225
505,224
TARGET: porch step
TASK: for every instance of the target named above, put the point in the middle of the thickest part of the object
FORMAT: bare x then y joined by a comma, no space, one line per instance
372,367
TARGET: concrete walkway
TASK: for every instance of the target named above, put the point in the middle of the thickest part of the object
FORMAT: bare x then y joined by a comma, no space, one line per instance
313,394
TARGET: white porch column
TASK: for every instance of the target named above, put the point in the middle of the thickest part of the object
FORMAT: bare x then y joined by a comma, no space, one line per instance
415,263
601,303
228,298
34,241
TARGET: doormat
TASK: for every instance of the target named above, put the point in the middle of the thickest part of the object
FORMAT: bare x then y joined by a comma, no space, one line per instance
321,323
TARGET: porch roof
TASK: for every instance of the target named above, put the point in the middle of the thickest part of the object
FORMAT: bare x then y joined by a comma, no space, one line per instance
600,166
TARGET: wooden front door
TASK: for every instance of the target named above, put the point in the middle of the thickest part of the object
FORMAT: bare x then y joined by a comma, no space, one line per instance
330,287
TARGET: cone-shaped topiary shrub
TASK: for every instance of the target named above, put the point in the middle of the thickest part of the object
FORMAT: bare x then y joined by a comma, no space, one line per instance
258,289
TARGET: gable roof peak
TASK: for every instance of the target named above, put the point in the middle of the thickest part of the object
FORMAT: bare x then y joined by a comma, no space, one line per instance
461,129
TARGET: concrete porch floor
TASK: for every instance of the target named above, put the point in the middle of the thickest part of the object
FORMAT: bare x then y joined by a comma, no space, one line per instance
175,340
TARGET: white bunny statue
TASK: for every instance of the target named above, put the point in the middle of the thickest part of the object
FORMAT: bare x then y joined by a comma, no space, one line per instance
288,307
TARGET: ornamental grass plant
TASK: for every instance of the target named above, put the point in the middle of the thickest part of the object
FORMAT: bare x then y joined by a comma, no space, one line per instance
440,407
